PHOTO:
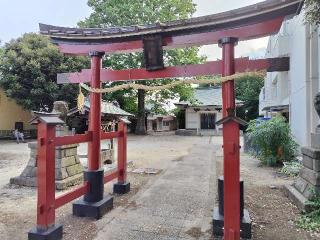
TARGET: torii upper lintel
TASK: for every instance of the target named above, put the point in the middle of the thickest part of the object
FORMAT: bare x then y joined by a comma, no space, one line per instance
255,21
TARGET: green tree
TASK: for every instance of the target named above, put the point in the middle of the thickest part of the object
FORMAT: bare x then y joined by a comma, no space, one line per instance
135,12
273,141
29,67
312,14
247,90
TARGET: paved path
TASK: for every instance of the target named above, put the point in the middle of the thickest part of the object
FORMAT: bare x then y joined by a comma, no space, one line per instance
177,205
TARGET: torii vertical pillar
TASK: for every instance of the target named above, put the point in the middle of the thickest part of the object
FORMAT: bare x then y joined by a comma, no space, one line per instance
231,219
94,203
231,145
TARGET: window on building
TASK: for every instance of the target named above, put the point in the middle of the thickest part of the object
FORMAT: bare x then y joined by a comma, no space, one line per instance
166,123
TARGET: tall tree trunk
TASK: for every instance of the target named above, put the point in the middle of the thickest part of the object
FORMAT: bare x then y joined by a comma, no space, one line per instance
141,122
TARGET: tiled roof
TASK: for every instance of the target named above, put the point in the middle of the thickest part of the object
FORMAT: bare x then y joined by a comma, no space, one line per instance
243,16
164,117
209,96
107,108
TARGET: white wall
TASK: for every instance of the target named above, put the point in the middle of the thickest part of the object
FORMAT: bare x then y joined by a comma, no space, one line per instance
276,86
193,118
299,86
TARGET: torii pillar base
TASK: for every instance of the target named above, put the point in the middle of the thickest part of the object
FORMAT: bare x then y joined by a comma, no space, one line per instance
218,218
52,233
245,224
94,204
121,188
97,210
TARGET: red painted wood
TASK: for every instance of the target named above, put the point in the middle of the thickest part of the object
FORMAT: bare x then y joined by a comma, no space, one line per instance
231,151
231,147
209,68
243,33
228,68
122,47
109,135
257,30
79,138
109,177
46,176
95,116
74,194
122,152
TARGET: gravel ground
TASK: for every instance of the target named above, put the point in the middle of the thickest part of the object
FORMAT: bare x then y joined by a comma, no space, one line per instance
274,216
18,204
272,213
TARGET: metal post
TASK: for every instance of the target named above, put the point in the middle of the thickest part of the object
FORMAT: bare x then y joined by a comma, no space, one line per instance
46,186
122,186
231,146
94,203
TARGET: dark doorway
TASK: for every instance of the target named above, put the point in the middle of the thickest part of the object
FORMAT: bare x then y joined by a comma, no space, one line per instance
208,120
19,126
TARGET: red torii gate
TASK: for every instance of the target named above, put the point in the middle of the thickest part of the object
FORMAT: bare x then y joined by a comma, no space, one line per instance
227,29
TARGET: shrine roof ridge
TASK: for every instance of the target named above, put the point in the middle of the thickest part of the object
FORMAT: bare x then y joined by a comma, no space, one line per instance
252,14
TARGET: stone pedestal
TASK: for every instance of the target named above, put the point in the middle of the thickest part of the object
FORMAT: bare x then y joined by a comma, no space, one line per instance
308,182
68,170
218,213
107,156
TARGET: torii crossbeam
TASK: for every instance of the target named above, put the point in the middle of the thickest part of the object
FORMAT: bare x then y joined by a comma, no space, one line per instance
206,69
255,21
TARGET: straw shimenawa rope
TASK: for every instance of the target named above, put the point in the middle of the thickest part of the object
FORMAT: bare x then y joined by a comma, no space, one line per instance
172,84
80,100
137,86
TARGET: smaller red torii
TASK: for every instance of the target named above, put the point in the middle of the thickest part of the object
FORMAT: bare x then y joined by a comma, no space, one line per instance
206,69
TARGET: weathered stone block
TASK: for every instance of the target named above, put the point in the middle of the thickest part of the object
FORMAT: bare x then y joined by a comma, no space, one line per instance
33,172
33,145
106,154
61,173
77,159
316,165
65,162
33,154
309,191
32,162
68,170
315,140
70,152
60,153
307,162
29,172
75,169
69,182
311,176
300,184
311,152
68,161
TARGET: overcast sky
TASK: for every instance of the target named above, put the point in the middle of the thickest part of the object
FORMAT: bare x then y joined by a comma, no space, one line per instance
20,16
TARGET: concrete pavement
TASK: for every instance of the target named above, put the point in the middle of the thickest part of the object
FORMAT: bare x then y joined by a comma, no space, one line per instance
177,205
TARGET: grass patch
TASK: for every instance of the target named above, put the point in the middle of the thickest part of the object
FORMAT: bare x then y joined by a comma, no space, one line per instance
291,168
311,221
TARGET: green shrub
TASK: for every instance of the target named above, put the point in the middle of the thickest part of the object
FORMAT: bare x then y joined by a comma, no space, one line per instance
272,140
